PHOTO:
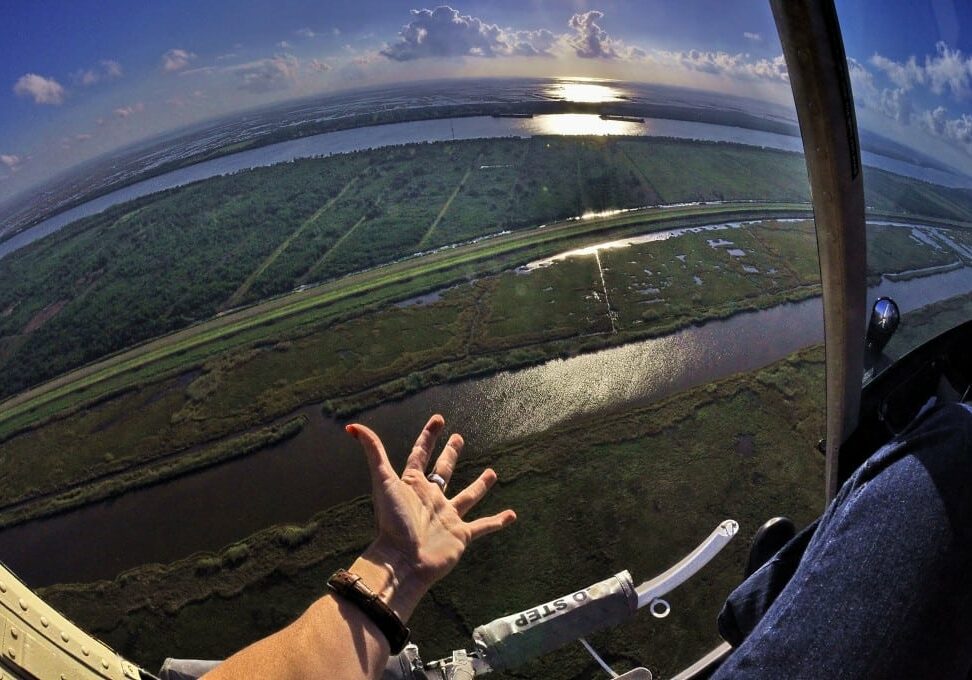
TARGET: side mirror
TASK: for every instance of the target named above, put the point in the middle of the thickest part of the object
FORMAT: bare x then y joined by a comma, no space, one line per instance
885,318
884,321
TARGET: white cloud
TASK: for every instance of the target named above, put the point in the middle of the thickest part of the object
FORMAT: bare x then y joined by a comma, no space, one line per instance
107,69
905,75
589,40
948,71
10,160
956,130
111,68
753,37
366,58
127,111
444,32
88,77
895,103
336,31
319,66
725,64
284,45
176,59
83,137
43,90
532,43
305,33
862,80
265,75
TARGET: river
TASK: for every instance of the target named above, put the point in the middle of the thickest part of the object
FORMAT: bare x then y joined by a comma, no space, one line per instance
320,467
442,129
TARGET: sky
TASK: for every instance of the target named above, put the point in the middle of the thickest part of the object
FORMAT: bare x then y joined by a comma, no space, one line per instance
80,78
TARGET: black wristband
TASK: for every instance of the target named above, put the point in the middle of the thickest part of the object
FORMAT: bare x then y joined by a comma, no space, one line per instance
350,587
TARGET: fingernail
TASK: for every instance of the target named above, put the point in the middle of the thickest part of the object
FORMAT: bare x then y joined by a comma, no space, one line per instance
351,430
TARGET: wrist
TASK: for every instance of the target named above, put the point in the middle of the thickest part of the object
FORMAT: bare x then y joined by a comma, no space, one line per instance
389,574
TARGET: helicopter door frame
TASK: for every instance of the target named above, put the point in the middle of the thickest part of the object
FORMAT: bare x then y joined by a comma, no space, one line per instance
813,48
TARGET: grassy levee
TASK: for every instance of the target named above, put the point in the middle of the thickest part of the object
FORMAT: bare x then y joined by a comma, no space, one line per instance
741,448
217,335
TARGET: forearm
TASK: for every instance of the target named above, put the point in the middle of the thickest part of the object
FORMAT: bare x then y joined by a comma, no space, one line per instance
333,638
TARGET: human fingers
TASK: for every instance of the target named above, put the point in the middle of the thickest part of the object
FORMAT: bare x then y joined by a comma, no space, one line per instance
378,464
487,525
418,459
464,501
446,463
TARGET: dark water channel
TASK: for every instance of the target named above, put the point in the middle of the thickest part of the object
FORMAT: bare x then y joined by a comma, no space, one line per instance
321,466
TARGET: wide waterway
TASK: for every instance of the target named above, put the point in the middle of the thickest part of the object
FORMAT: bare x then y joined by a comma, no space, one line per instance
321,467
443,129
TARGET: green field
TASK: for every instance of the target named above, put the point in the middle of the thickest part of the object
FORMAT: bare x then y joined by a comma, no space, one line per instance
166,261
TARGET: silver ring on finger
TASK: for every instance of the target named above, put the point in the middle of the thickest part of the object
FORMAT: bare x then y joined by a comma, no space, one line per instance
437,479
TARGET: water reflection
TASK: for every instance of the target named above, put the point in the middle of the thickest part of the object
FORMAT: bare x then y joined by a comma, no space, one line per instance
562,390
585,90
585,124
661,235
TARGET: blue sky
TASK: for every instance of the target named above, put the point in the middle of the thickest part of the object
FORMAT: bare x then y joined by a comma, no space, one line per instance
81,78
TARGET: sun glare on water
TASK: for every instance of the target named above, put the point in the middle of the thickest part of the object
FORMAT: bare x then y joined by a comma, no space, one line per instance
584,124
584,91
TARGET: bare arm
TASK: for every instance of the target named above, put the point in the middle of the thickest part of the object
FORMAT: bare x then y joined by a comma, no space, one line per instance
421,536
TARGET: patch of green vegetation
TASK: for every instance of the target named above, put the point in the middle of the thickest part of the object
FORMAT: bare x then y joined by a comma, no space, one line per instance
675,470
894,249
885,191
176,258
115,476
720,172
726,269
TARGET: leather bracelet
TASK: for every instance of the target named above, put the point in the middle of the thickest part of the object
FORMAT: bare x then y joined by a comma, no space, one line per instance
350,587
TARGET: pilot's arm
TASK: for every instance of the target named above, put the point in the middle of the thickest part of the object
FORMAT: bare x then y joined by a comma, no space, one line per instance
421,536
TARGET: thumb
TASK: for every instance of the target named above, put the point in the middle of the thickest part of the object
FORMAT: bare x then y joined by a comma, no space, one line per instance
378,464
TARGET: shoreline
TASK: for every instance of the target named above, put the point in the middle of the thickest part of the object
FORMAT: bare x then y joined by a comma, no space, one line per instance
725,118
147,473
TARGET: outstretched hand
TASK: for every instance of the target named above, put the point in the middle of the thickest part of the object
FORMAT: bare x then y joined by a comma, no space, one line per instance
420,530
421,536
